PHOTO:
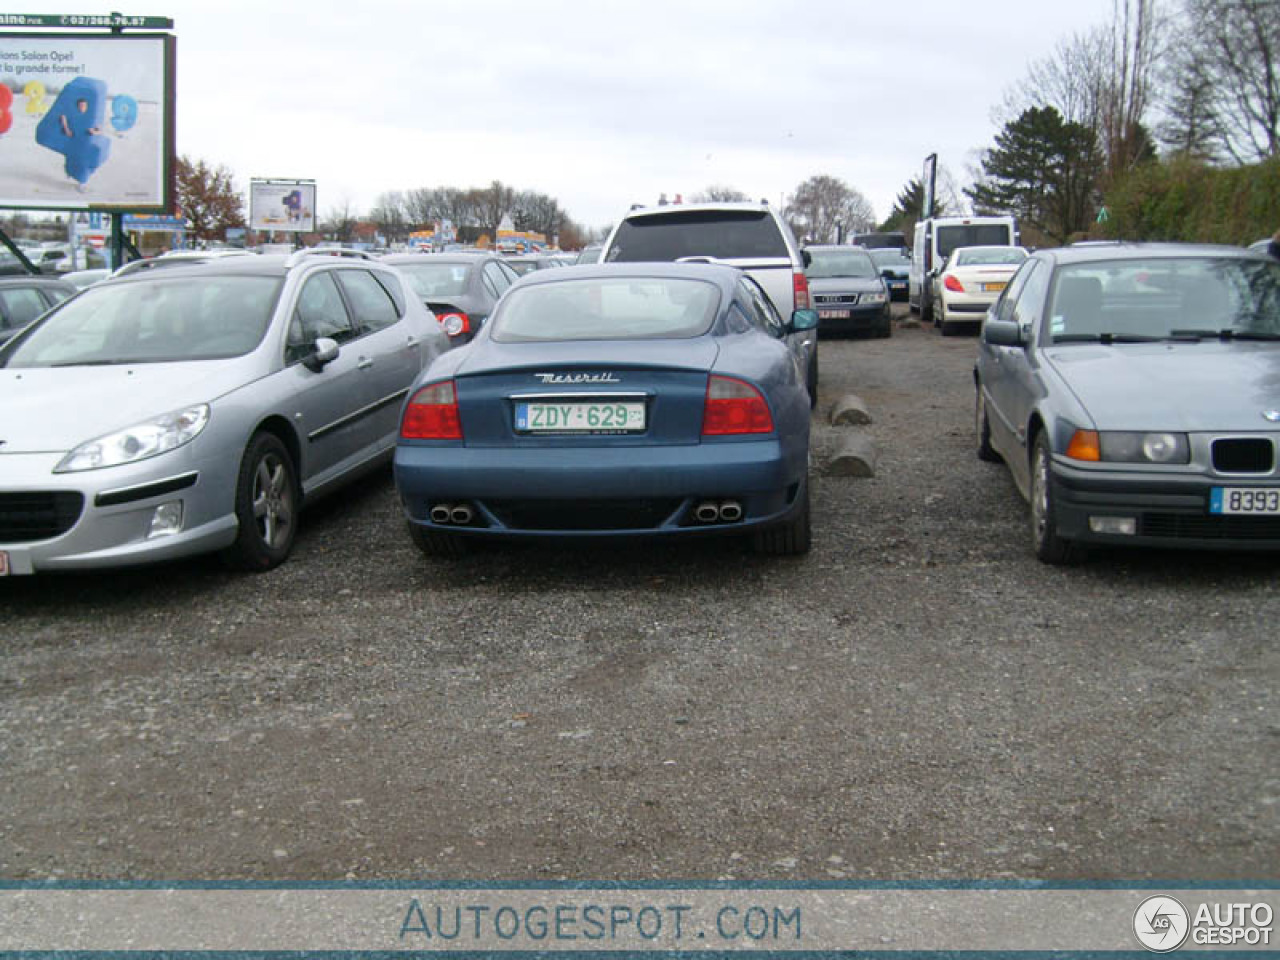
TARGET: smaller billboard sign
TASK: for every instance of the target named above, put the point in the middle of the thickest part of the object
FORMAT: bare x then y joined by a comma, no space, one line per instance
282,205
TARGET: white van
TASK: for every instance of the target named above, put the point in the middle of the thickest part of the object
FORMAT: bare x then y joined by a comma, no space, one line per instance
936,237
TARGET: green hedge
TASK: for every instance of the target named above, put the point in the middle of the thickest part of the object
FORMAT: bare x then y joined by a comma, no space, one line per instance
1186,201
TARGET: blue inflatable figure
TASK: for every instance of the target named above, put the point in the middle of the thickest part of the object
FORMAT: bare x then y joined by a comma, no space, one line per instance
124,112
73,128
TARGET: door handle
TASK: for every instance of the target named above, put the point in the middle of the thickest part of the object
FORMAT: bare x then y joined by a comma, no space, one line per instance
364,363
412,342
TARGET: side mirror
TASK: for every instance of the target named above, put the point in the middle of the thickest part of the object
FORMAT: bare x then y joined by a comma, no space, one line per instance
1001,333
803,320
323,352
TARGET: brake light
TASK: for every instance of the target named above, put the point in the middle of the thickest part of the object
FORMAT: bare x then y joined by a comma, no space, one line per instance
734,407
800,284
432,414
455,323
952,284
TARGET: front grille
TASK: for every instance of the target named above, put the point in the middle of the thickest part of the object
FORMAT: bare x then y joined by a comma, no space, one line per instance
845,298
1187,526
1243,455
582,514
25,517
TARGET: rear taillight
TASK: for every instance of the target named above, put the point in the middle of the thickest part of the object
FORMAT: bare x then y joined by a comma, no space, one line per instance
800,283
952,284
732,407
455,323
432,414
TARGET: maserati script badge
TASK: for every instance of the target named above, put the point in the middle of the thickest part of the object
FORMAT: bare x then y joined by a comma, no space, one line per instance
577,378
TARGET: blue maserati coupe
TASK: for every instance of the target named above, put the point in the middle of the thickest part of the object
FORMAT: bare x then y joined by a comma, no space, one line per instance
632,400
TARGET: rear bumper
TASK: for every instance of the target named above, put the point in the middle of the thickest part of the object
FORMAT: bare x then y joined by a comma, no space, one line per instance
1168,510
600,491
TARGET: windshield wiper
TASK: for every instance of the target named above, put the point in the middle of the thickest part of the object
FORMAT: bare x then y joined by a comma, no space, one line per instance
90,363
1225,334
1105,338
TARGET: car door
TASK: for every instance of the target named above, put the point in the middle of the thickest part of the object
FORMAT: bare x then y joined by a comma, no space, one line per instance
1010,377
389,356
327,401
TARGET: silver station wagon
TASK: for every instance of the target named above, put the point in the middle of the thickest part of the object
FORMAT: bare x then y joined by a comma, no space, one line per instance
197,408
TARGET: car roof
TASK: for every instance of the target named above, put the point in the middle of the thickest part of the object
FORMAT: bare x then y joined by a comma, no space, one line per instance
678,208
1102,252
725,277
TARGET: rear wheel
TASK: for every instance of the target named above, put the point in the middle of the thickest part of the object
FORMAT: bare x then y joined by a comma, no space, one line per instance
266,506
433,543
790,538
812,380
886,327
1049,547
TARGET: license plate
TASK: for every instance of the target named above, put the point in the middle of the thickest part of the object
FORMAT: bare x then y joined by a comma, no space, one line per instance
1247,500
4,564
593,417
834,314
994,287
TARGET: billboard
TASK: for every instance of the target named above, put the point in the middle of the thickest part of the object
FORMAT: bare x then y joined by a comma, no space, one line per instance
282,205
86,121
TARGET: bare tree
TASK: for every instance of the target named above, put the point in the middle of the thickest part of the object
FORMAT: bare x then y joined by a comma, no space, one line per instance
340,222
823,205
1237,45
389,214
492,203
1133,53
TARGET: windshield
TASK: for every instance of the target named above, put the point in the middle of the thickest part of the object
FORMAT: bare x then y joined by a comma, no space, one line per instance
151,321
973,235
615,308
722,234
849,262
977,256
1176,298
436,279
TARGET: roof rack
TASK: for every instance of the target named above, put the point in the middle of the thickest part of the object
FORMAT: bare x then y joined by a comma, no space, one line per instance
298,256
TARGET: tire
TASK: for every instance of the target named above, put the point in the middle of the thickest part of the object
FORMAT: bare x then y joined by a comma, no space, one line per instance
811,380
267,502
886,328
947,328
790,538
983,426
433,543
1050,548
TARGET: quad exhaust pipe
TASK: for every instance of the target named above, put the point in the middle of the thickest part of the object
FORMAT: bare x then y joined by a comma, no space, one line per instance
723,511
457,514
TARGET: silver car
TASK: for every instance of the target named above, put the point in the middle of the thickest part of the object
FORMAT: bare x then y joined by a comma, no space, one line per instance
197,408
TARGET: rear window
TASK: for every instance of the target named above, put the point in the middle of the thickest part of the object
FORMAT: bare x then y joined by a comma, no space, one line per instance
1003,256
614,308
723,234
436,279
973,235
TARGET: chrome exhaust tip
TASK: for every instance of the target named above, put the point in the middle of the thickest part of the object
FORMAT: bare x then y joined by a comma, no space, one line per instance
731,511
707,512
440,513
461,514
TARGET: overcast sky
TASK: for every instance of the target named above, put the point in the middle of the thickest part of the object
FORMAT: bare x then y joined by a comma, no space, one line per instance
598,103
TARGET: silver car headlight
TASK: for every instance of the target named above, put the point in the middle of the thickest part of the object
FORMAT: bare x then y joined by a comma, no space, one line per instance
139,442
1155,447
873,298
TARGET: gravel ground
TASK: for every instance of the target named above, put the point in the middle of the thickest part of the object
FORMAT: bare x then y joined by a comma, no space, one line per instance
916,698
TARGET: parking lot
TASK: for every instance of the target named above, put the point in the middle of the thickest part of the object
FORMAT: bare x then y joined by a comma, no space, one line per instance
918,697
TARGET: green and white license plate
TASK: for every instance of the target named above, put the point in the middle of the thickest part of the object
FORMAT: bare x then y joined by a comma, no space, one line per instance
1255,501
597,416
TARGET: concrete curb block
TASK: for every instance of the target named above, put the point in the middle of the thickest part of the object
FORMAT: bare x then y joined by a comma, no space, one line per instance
855,456
849,410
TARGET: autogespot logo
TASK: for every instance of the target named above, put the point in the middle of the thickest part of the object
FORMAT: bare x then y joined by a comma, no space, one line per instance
1161,924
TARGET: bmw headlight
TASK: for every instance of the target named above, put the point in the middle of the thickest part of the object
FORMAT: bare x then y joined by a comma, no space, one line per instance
139,442
1156,447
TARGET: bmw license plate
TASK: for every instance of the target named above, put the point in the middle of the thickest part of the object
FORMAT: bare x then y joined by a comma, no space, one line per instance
594,417
1263,501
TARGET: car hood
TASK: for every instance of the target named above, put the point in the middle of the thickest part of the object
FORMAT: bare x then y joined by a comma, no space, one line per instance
52,409
1207,386
844,285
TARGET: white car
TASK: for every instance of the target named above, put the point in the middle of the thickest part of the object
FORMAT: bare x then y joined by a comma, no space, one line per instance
971,281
